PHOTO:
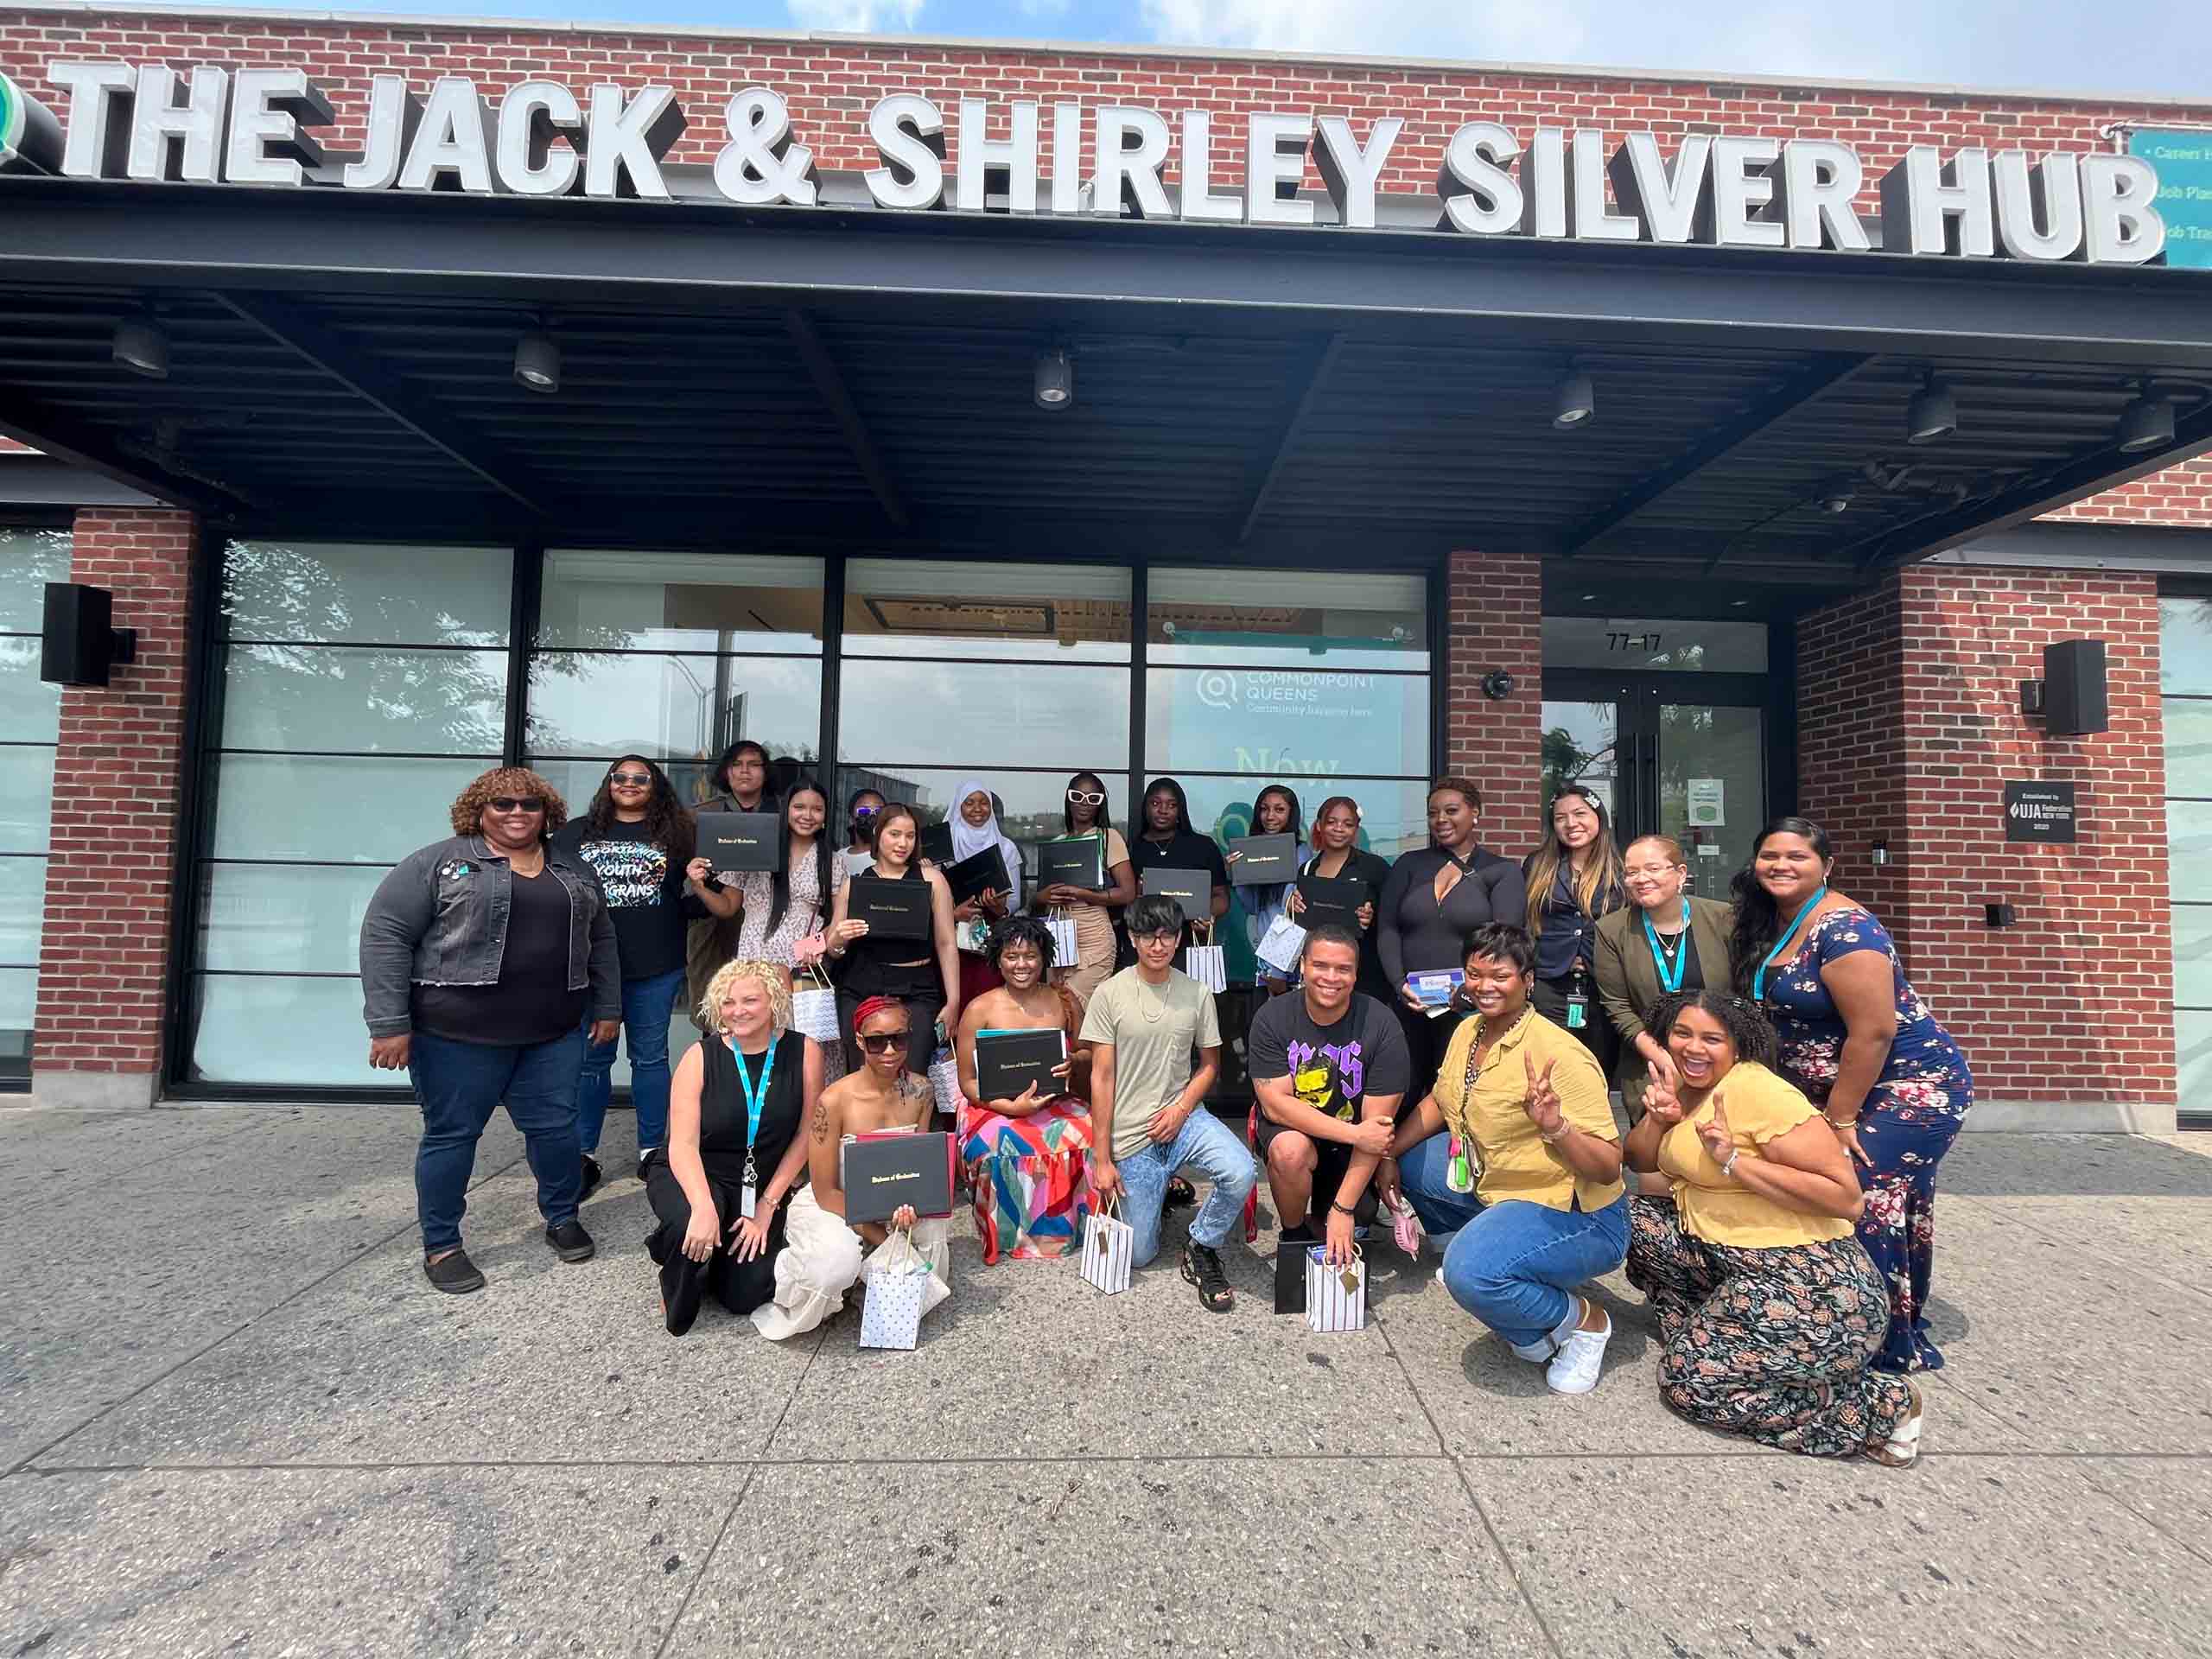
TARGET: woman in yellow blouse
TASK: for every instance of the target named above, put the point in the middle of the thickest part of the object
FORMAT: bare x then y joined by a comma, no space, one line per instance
1769,1305
1518,1120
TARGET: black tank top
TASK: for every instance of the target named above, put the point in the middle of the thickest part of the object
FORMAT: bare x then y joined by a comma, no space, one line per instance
889,967
722,1117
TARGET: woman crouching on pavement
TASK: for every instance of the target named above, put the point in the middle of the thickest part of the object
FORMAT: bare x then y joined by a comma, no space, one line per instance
1770,1307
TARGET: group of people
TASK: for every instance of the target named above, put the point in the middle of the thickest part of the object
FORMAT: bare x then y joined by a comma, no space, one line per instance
1449,1054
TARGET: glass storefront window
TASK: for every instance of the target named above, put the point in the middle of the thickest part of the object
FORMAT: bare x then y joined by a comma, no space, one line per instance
354,700
1677,645
670,708
1265,721
366,593
610,599
1287,619
2185,677
935,608
30,718
983,714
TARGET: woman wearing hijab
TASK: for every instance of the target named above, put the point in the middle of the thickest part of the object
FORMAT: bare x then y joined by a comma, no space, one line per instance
976,829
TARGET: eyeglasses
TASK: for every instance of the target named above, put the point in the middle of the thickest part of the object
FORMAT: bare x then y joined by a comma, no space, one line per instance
889,1043
1166,936
1087,797
516,803
642,779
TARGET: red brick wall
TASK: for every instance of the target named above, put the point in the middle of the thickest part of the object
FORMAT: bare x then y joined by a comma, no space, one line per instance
1909,701
1495,620
104,954
831,85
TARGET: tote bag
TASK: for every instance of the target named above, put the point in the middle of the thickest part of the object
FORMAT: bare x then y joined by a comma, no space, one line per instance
814,1007
1335,1298
897,1285
1109,1250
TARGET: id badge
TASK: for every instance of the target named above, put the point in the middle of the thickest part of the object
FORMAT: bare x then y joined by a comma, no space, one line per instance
745,1202
1578,1012
1458,1175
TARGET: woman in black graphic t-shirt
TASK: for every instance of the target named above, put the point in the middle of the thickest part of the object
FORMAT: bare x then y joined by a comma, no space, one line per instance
637,839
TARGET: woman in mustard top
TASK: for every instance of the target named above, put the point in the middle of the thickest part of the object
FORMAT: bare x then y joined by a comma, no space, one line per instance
1519,1137
1769,1305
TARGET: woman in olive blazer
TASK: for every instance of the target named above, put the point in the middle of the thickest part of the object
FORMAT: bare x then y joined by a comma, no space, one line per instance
1658,926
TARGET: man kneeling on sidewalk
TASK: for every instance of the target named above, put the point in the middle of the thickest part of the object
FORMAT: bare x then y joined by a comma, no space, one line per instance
1147,1116
824,1254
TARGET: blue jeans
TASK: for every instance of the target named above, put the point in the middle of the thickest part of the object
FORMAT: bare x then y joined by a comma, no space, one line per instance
646,1007
1513,1266
459,1085
1221,1156
1421,1174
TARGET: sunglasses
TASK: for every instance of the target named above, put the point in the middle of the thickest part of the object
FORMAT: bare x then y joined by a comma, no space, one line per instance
866,811
516,803
889,1043
642,779
1087,797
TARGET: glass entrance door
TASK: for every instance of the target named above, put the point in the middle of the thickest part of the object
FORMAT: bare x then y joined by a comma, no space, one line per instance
1664,763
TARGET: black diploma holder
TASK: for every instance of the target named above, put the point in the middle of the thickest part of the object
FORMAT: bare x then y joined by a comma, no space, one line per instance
934,841
1072,862
1192,889
741,842
977,874
888,1168
1263,860
1008,1062
1333,901
893,909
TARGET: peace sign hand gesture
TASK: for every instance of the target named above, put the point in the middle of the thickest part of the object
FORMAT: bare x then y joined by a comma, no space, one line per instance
1543,1108
1660,1099
1719,1140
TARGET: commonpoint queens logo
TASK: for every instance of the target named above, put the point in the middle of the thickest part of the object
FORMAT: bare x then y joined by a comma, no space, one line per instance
31,138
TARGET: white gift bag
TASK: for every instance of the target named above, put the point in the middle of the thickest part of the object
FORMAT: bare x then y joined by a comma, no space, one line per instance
1279,946
1108,1250
1065,950
814,1009
1335,1298
1206,964
898,1286
944,1081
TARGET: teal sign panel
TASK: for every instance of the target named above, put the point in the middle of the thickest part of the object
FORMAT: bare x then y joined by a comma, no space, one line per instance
2183,160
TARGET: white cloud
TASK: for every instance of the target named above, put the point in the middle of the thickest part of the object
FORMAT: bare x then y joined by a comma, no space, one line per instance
856,17
1491,30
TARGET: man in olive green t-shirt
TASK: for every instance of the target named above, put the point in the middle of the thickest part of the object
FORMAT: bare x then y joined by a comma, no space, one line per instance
1148,1120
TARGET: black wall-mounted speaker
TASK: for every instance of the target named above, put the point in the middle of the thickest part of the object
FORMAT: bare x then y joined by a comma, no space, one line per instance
2074,688
80,641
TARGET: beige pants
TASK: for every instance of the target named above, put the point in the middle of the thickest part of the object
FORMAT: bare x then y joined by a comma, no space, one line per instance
822,1258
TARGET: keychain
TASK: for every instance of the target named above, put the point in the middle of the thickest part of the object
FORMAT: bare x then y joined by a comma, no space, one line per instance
1458,1175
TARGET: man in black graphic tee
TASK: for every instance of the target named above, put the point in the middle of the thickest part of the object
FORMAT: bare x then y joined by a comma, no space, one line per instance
1329,1067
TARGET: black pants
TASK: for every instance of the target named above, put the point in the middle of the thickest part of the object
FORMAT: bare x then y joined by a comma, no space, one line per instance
1597,1034
740,1286
922,1010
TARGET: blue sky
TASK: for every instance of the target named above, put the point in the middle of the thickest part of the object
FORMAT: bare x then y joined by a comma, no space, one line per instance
2082,46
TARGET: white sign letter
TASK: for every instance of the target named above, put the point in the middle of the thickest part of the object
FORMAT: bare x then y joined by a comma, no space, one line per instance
1132,149
267,109
395,116
179,142
1932,206
1275,166
1738,191
1476,179
760,166
453,150
1585,194
530,117
2121,226
1665,202
1198,200
2039,207
1350,173
983,161
909,134
622,153
94,148
1820,180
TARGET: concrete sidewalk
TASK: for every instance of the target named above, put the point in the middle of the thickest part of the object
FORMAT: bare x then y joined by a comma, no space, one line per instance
234,1418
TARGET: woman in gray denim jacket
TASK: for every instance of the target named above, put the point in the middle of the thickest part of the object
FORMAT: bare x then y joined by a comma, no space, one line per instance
481,957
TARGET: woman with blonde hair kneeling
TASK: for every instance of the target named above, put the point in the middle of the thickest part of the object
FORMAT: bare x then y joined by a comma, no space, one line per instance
734,1150
1769,1306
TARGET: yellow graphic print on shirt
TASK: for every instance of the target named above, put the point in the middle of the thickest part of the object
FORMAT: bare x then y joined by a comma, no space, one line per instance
1316,1087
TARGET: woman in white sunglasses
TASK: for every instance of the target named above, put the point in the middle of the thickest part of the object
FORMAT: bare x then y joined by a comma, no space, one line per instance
1091,908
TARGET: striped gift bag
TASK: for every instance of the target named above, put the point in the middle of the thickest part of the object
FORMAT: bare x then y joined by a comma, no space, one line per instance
1335,1298
1109,1250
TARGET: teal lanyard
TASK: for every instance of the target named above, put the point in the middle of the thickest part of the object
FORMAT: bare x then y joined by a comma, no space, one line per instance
1670,982
755,1099
1759,980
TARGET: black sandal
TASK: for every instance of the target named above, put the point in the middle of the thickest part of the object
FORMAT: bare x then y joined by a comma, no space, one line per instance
1180,1195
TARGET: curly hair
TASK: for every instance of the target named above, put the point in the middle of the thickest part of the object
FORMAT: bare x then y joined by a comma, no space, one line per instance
1451,784
771,975
669,823
1749,1031
1018,930
469,805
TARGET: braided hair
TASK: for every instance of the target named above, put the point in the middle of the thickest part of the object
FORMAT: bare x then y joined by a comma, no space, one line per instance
1749,1031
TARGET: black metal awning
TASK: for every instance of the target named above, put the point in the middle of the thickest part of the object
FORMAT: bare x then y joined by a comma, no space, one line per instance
342,364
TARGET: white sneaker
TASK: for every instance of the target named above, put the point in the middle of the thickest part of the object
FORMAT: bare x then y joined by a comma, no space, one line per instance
1575,1369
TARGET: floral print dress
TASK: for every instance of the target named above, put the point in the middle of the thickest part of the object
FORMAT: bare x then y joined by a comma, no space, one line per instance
1911,1114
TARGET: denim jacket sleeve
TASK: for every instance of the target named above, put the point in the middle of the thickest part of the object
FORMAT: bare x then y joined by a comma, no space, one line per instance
399,914
606,966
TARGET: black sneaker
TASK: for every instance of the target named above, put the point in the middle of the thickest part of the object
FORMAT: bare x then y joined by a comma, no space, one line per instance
571,1243
646,1160
1202,1266
455,1275
593,1176
1301,1234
